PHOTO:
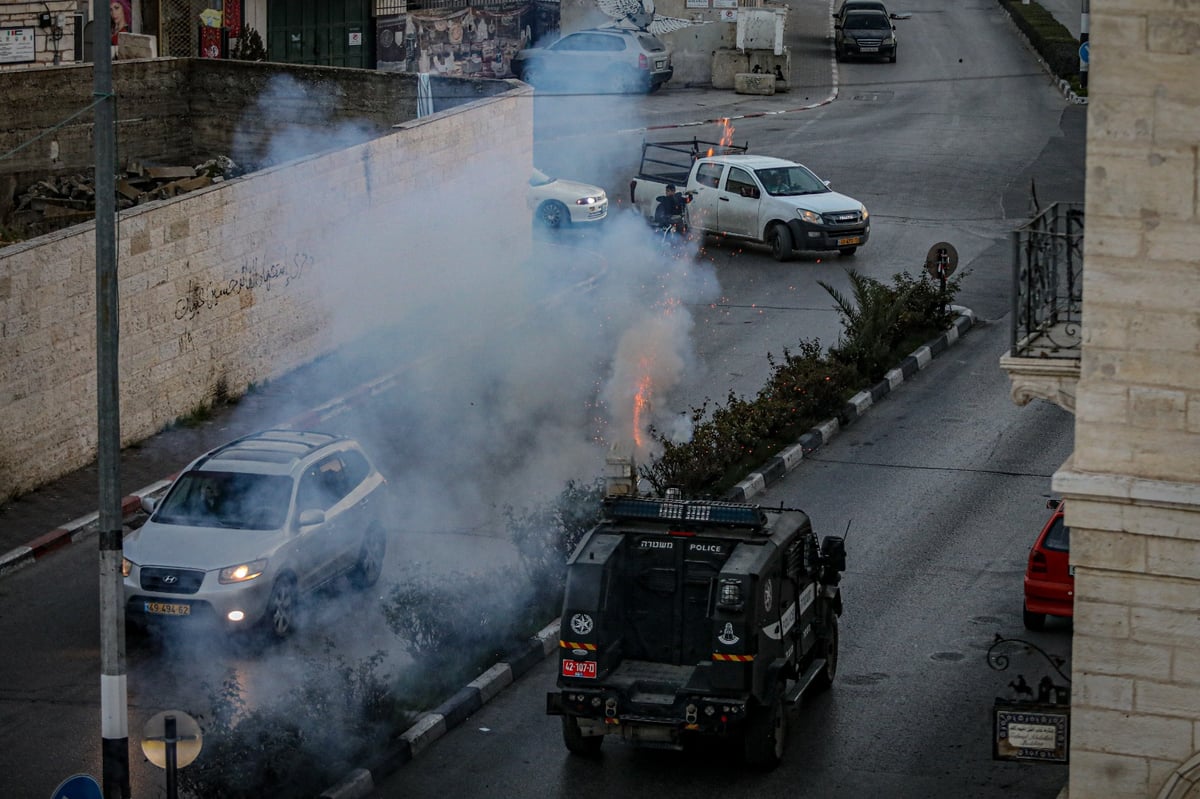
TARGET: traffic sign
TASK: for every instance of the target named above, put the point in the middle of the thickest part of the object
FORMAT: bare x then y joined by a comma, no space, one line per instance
942,260
81,786
186,738
1083,53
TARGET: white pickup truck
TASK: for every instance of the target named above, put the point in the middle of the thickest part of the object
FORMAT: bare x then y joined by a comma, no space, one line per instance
754,197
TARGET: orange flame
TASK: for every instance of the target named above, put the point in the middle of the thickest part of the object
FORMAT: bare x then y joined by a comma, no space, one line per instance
641,405
726,135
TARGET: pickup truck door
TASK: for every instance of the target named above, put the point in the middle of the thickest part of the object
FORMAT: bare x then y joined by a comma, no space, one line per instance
703,208
737,203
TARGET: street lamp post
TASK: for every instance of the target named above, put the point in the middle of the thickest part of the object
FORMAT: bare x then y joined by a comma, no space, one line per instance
114,719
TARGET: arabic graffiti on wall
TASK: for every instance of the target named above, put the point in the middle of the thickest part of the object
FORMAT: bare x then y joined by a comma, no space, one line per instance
255,273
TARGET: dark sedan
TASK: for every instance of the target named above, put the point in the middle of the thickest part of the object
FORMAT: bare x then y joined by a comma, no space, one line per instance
865,34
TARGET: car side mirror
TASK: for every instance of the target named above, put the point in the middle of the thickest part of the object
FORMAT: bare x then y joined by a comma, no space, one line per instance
149,504
310,517
1053,504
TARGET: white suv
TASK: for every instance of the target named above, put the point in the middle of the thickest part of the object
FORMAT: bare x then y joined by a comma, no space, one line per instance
249,528
599,59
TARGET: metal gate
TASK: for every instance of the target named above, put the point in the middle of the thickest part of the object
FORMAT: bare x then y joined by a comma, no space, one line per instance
178,27
317,32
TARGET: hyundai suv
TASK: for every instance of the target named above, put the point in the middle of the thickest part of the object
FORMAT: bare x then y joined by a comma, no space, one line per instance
597,59
250,527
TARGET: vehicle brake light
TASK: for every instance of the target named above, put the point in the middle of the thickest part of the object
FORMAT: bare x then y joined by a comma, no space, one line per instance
643,62
1037,562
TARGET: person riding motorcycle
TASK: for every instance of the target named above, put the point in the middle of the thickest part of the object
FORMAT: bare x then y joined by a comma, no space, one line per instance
670,209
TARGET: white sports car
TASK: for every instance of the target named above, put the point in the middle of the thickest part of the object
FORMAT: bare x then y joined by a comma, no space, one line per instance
557,203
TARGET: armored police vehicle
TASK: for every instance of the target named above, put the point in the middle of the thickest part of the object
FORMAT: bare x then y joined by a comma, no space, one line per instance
695,618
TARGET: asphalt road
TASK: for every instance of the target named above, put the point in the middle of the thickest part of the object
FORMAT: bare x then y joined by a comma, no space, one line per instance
942,485
940,149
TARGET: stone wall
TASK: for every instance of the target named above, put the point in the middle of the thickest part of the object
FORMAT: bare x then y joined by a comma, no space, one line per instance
240,282
1133,484
49,42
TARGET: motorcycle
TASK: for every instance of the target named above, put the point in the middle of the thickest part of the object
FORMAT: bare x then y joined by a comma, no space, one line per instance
674,231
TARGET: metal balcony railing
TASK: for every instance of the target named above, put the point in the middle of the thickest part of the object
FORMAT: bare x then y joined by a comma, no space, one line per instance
1047,297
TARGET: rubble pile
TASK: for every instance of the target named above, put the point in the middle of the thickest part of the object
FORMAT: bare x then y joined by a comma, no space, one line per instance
58,202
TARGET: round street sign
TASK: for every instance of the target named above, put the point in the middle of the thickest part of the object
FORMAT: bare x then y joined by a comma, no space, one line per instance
942,260
81,786
188,739
1083,53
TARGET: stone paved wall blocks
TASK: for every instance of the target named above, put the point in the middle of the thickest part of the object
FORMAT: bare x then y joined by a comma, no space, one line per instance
1172,250
1097,450
1155,408
1168,698
1128,181
1114,551
1177,557
1122,658
1101,618
1185,666
1164,454
1102,403
1143,735
1171,328
1143,591
1118,33
1166,522
1172,33
1120,118
1102,691
1166,626
1192,424
1120,285
1146,367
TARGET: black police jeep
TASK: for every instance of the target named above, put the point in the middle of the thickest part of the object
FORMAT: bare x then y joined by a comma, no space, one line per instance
689,618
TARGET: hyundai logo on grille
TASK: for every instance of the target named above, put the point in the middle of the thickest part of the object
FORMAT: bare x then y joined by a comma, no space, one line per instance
170,579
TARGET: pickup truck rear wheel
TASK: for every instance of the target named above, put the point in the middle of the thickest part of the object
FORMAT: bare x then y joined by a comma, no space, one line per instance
766,733
780,239
578,743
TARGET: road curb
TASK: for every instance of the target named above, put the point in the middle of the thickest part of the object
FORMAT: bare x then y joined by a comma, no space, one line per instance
790,458
73,531
448,715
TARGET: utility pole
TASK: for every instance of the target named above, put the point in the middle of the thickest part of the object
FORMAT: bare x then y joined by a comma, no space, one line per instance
1084,25
114,711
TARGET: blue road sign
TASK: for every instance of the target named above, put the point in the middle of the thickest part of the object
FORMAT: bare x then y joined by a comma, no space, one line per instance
1083,53
81,786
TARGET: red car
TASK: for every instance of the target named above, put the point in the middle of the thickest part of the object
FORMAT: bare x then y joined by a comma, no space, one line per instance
1049,577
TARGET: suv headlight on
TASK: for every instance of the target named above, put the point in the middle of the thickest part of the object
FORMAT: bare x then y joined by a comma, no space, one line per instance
811,217
243,572
862,209
126,566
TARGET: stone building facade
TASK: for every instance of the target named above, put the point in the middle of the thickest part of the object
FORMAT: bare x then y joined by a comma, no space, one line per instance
1132,485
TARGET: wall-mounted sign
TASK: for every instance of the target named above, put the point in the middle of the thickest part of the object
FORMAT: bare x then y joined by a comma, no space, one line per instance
1029,732
17,45
728,15
697,3
355,38
725,3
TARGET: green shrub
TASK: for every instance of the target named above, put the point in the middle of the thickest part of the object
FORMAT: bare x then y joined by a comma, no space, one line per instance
1049,37
339,716
882,324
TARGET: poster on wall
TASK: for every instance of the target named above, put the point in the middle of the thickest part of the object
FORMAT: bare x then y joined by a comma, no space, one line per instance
17,45
463,42
121,14
697,3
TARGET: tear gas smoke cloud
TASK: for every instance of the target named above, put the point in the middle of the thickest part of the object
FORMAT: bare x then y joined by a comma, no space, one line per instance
514,375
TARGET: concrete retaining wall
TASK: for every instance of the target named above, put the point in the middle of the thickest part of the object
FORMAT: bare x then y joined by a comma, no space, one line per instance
242,281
